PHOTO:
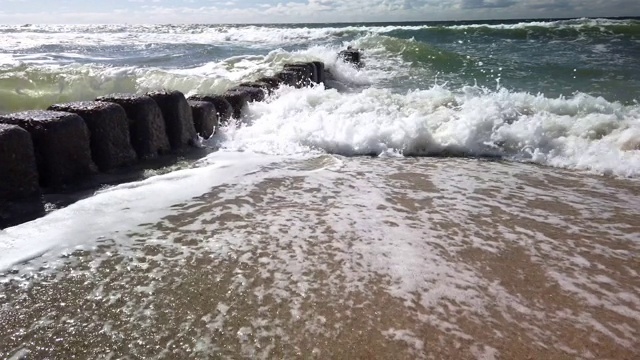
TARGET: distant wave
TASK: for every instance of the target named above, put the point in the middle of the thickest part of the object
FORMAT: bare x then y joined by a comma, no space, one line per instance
269,35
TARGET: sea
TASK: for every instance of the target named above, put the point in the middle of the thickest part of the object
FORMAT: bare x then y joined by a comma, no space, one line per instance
471,192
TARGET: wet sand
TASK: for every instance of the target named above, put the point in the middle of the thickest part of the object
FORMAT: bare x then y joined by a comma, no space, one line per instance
352,259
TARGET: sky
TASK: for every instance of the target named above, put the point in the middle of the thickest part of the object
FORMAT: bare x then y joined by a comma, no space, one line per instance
299,11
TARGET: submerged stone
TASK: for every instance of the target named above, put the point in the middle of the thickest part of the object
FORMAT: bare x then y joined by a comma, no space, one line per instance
351,56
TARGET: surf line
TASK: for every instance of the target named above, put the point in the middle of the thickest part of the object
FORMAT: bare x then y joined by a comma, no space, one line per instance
78,147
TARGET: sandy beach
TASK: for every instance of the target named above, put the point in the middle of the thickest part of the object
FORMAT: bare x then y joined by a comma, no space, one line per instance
417,258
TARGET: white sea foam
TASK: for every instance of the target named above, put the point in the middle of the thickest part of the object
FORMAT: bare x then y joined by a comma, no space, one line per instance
135,203
581,132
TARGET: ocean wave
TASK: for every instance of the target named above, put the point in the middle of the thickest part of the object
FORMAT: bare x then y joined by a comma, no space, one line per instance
29,86
25,87
414,53
580,132
139,35
32,36
391,107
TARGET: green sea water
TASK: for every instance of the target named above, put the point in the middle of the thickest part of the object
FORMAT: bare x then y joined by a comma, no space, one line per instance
40,64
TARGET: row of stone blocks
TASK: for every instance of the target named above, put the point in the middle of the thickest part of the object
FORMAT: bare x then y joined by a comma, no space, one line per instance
66,143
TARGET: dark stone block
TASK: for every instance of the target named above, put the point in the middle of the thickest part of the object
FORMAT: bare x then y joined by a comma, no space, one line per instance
146,124
307,69
304,75
177,116
61,145
14,212
272,81
18,169
205,117
351,56
291,77
108,129
223,107
238,101
254,93
319,71
313,70
266,87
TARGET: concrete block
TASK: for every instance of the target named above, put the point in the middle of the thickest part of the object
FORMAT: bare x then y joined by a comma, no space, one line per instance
177,116
238,101
319,71
205,117
223,108
18,169
108,129
61,145
146,124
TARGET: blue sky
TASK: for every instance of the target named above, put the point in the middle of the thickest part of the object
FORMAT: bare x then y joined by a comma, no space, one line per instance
268,11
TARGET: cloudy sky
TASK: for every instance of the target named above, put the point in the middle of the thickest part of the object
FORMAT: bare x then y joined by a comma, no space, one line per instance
294,11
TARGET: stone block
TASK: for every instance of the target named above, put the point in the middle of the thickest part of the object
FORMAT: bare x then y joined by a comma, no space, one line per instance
108,129
253,93
18,169
291,77
205,117
272,81
238,101
177,116
146,124
223,108
266,87
307,70
60,142
319,71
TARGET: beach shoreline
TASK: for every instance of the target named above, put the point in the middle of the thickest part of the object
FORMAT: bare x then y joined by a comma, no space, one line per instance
265,269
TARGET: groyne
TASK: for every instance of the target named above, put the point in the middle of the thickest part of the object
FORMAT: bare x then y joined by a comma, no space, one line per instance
69,144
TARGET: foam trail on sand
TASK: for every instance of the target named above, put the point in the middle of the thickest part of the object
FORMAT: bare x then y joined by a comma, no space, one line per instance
133,204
